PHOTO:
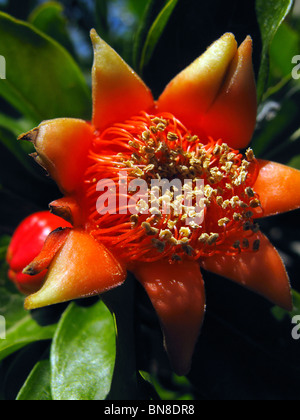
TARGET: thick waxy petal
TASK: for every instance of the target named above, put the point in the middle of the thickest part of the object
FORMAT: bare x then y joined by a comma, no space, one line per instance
25,283
118,92
262,272
178,296
27,242
216,95
68,209
232,116
62,149
81,268
52,245
29,238
278,187
193,91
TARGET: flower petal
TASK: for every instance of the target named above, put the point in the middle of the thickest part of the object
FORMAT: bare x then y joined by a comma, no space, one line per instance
178,296
62,146
81,268
68,209
262,272
118,92
27,284
232,116
278,187
193,91
52,245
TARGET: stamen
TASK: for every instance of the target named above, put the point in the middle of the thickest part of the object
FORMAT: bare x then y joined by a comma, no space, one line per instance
256,245
159,147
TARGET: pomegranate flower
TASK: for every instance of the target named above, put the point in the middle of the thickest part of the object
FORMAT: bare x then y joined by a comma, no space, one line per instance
192,132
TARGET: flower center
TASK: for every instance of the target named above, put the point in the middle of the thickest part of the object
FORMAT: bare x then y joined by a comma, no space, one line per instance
168,195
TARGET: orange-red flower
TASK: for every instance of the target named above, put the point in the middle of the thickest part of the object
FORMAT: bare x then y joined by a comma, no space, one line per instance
193,131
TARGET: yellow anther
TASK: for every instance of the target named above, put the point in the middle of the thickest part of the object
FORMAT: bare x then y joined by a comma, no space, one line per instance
256,245
224,221
249,191
255,203
151,231
213,238
172,136
203,238
249,155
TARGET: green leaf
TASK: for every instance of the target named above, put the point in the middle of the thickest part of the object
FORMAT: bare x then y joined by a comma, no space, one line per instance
270,16
137,7
155,33
21,329
83,354
48,18
4,242
37,386
16,126
280,313
275,128
42,79
285,46
295,162
8,139
11,302
22,333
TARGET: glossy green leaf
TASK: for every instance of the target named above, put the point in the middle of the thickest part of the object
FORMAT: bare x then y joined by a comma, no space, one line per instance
42,79
37,386
280,314
137,7
9,140
48,18
21,329
4,242
285,46
155,32
295,162
22,333
270,16
278,121
11,301
83,354
16,126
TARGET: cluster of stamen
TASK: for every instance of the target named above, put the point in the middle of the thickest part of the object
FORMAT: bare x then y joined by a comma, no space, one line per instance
216,216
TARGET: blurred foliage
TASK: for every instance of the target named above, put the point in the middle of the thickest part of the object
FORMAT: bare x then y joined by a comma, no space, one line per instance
245,350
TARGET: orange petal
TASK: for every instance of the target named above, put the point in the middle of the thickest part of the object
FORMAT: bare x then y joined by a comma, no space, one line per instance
178,296
278,187
27,284
262,272
118,92
68,209
62,149
232,116
81,268
52,245
193,91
